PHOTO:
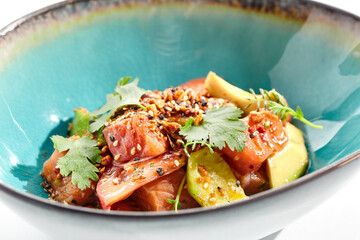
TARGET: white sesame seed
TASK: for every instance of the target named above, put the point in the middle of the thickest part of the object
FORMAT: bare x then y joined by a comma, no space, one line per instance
151,113
177,163
128,126
138,147
177,108
173,102
186,97
115,181
117,157
168,109
206,185
133,150
233,188
212,199
115,143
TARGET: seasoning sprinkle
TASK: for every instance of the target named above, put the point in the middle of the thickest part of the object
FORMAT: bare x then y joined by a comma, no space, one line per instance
115,181
117,157
133,151
151,164
161,173
238,183
177,163
161,116
206,185
115,143
136,159
138,147
213,199
112,138
159,170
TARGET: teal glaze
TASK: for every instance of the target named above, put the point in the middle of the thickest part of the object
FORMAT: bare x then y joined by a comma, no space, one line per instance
314,65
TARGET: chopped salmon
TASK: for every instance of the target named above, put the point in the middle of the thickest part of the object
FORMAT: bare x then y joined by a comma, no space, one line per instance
154,195
265,135
134,137
119,182
62,188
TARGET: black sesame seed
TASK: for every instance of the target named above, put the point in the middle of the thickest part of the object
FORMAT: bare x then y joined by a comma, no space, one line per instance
252,135
203,103
182,114
161,116
161,173
74,201
159,170
151,117
136,159
112,138
219,188
238,183
91,121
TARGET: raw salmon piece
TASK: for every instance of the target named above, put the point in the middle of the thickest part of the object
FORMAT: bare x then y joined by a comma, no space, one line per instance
265,135
119,182
64,190
134,137
153,196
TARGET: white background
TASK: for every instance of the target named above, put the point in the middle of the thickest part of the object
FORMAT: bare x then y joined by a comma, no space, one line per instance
337,218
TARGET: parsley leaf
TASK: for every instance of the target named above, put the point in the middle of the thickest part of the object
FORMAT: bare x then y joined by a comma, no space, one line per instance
125,94
78,160
219,127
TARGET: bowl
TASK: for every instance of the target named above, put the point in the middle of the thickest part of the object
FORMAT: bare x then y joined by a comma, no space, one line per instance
71,54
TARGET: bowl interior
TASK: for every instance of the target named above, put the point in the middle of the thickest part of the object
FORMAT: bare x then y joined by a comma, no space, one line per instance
74,56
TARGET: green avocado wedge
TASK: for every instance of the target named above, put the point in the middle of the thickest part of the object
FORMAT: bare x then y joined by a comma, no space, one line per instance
210,180
291,162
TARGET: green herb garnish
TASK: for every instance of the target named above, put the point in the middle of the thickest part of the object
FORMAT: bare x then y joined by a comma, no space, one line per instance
176,201
218,128
125,94
277,106
82,154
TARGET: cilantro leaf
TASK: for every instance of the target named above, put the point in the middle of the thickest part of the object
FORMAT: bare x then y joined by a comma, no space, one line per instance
125,94
219,127
78,160
277,106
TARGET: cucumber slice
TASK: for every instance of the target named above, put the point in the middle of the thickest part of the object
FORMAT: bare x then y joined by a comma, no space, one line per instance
210,180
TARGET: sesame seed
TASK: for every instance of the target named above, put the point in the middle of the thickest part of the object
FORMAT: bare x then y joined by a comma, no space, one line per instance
159,170
151,113
138,147
136,159
112,138
177,163
115,181
117,157
133,151
212,199
206,185
161,116
238,183
115,143
168,109
161,173
128,126
233,188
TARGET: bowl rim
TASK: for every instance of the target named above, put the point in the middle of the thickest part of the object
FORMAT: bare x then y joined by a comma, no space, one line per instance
36,200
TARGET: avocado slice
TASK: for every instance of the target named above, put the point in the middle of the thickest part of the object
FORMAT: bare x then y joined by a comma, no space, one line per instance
291,162
210,180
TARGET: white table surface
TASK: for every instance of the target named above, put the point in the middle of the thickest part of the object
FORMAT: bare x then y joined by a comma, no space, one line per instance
337,218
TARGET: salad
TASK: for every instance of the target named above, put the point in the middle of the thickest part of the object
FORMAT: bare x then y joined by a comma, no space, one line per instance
203,143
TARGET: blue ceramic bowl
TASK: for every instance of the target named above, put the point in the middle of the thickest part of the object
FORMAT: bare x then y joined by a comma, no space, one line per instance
72,54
